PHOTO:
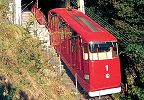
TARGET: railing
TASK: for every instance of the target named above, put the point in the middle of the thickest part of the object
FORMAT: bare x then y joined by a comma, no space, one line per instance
40,17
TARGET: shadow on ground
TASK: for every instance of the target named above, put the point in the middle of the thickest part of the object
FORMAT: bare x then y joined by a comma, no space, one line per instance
6,89
72,77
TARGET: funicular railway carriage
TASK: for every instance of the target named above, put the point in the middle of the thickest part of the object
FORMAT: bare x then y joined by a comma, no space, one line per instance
87,49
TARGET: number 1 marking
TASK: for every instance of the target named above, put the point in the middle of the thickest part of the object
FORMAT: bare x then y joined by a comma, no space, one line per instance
106,67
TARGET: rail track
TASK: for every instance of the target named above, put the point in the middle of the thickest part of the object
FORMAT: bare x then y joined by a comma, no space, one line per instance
107,97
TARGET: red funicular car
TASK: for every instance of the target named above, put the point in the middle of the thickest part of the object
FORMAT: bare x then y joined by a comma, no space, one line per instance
88,50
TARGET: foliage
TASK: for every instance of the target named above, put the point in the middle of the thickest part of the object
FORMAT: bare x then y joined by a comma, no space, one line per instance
140,93
25,66
127,16
3,9
135,50
22,60
131,19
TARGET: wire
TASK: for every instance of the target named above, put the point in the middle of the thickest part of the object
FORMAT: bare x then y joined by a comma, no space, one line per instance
119,34
27,6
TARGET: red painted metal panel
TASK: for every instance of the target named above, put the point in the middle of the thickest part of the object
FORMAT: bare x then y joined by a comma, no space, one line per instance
87,35
40,17
55,39
104,74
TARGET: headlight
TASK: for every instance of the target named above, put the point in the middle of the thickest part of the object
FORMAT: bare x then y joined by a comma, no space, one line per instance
86,77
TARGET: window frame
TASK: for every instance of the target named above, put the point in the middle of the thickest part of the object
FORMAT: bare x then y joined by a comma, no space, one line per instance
95,46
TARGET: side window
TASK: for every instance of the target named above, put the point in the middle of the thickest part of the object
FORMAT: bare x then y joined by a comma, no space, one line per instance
85,51
74,34
52,21
62,28
74,40
103,50
104,53
68,31
93,52
115,50
74,45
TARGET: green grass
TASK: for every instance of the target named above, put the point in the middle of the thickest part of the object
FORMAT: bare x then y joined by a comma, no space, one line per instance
24,64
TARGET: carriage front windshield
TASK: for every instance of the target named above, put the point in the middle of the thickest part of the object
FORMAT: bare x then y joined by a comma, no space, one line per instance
103,50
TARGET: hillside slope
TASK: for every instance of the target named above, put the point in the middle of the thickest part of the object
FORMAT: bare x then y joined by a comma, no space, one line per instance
25,71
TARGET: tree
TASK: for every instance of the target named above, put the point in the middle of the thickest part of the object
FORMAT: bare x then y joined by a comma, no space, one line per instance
127,16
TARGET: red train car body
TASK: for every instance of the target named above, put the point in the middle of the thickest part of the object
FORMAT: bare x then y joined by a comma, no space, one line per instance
87,49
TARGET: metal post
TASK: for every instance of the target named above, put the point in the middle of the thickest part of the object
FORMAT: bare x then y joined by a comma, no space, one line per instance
11,10
99,95
81,6
60,69
17,15
37,3
76,82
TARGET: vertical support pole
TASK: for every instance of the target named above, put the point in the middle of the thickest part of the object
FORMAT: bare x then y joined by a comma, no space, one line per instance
99,95
76,82
35,21
17,14
81,6
126,87
37,3
11,10
60,69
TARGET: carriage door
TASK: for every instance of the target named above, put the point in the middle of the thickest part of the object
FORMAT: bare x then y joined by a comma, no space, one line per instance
85,62
74,52
76,55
